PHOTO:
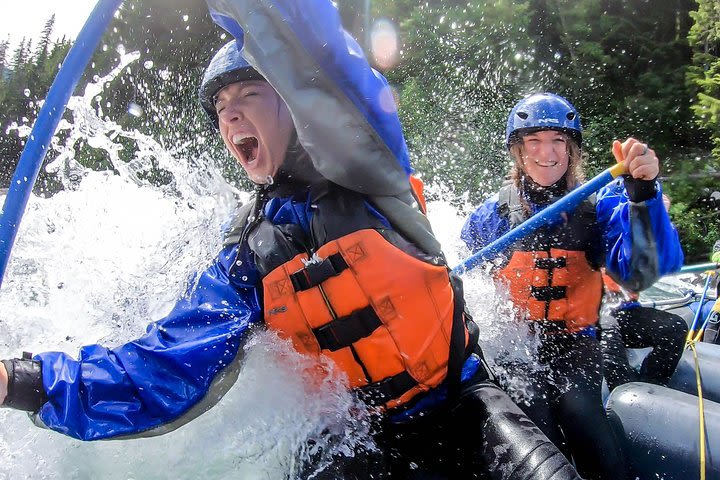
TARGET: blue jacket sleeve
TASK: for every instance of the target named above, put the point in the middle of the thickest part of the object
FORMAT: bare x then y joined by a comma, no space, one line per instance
342,108
153,380
640,242
484,226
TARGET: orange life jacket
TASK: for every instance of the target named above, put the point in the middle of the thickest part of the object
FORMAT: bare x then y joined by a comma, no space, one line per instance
559,286
384,317
418,189
548,275
391,321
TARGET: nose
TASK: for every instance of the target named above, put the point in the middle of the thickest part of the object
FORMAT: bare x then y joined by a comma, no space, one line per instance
231,113
546,149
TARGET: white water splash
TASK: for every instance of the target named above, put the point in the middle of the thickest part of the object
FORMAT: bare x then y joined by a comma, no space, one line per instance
100,260
508,345
112,252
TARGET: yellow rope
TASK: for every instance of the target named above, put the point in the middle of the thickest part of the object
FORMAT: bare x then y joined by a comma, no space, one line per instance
691,340
701,408
693,337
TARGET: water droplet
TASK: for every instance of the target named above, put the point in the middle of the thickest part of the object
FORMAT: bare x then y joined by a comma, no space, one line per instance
134,109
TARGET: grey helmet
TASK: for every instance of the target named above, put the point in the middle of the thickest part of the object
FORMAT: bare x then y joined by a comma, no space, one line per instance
226,67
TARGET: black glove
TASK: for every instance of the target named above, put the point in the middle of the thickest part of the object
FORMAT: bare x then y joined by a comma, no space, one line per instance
25,386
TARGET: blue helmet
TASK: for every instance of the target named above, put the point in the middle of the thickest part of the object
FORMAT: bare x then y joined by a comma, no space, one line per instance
543,111
226,67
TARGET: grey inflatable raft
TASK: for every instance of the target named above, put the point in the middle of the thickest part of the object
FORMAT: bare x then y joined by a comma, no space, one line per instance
660,428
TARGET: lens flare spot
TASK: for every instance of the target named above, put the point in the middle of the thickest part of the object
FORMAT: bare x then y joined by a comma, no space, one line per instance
384,44
387,99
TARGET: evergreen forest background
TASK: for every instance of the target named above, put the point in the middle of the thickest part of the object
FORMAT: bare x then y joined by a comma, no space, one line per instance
650,69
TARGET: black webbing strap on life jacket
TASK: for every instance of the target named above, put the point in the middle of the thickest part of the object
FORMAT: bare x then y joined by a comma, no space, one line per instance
316,273
548,294
385,390
458,352
550,263
344,331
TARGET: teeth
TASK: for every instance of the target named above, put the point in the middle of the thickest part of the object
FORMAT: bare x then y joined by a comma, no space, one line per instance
239,138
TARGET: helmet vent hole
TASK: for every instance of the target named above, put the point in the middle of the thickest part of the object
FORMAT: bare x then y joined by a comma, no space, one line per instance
522,115
570,115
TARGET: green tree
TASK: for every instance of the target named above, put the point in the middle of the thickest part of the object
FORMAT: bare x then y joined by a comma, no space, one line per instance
464,63
699,222
704,74
624,69
45,43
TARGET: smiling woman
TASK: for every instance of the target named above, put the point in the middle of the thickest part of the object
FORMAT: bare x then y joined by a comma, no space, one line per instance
553,275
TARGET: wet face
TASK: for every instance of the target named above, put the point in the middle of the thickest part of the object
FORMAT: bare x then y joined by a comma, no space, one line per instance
256,127
545,156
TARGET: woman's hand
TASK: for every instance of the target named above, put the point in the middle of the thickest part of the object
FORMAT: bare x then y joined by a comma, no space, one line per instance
640,161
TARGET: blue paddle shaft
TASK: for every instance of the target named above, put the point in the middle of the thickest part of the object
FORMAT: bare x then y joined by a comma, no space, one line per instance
701,267
551,213
698,312
42,132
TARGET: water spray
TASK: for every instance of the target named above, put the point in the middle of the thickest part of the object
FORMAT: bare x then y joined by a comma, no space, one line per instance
46,124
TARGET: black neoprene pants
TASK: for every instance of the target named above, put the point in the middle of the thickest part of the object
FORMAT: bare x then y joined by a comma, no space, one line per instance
642,327
567,405
482,434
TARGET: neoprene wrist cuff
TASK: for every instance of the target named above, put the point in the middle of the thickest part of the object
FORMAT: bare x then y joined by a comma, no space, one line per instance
639,190
25,387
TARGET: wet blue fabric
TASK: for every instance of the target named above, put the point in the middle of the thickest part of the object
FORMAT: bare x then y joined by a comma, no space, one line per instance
613,213
282,211
707,307
299,211
156,378
343,60
153,380
485,224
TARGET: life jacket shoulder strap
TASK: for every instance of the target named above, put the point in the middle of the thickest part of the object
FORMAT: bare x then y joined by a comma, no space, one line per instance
235,231
510,205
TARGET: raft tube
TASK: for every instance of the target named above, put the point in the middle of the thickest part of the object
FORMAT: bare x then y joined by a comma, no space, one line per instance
660,428
687,311
684,379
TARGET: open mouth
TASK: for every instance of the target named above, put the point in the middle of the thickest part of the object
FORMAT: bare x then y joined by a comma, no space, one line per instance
247,145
